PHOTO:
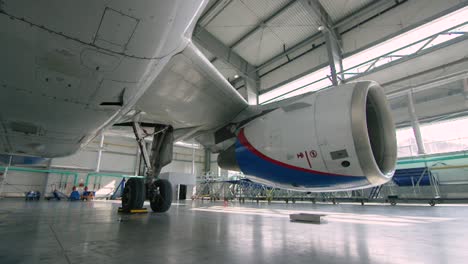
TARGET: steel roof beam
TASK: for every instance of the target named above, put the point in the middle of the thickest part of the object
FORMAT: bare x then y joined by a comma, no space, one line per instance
224,53
373,8
263,23
315,8
332,38
213,11
230,57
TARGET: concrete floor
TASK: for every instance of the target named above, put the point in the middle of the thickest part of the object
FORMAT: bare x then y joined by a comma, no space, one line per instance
93,232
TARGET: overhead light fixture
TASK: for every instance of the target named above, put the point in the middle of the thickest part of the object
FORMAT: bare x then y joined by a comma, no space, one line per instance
321,28
236,76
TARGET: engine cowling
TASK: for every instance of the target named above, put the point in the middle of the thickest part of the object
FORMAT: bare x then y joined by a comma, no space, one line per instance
342,138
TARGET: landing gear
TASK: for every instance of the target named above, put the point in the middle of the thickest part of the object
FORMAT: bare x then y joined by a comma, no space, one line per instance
160,193
133,195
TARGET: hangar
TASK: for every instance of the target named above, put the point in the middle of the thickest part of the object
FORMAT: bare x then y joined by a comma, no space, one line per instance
201,131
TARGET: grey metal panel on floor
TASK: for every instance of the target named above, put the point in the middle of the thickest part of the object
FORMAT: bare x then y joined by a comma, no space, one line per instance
195,232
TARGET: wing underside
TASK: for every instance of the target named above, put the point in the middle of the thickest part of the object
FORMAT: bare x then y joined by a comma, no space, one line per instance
191,94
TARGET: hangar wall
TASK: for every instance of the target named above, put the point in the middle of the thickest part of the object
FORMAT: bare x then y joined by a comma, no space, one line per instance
118,156
20,182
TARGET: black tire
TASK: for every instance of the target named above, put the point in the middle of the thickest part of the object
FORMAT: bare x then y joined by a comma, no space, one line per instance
392,203
161,196
432,203
134,195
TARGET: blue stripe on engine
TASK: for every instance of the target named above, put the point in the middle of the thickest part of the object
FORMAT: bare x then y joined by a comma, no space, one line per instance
252,164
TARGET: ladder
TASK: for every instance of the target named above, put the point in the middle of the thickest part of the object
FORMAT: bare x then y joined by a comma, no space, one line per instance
375,192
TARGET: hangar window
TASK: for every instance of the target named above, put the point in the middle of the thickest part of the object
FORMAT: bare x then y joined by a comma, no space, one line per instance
436,32
447,136
188,145
439,137
308,83
406,143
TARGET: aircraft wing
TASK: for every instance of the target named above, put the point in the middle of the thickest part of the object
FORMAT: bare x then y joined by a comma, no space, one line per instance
191,94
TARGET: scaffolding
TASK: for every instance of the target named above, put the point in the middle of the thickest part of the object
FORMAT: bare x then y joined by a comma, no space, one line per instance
423,184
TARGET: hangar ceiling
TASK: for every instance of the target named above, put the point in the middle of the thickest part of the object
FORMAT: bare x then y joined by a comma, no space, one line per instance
262,45
259,30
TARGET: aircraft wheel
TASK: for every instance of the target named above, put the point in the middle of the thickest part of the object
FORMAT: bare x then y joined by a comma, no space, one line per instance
161,196
432,202
133,195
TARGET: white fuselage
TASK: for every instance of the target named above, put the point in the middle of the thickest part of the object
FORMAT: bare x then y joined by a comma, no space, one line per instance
68,69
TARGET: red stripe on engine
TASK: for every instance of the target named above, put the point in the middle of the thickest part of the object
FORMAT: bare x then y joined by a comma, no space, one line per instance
243,140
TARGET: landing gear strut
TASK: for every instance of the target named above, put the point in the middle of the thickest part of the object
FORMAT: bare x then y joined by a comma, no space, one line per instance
158,191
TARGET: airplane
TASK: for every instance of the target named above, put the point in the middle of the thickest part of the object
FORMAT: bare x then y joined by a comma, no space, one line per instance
72,69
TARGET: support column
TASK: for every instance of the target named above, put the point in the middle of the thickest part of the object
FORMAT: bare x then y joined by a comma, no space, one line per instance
465,91
3,178
332,38
136,169
193,157
251,87
46,180
207,161
334,57
101,146
415,124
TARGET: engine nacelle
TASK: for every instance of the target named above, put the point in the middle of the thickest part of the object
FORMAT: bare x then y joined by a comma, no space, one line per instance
342,138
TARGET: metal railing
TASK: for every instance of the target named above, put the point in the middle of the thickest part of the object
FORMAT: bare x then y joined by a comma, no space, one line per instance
434,147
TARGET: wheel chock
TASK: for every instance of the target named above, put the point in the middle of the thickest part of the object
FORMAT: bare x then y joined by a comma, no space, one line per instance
134,211
303,217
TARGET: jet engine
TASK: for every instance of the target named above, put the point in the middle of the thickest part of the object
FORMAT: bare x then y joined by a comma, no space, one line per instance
341,138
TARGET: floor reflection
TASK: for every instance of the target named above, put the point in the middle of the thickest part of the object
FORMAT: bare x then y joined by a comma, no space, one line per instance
193,232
